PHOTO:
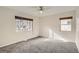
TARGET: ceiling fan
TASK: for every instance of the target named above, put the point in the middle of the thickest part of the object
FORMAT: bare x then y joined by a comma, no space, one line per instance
41,9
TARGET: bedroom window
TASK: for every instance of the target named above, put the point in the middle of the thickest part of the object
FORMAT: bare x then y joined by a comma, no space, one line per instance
23,24
66,23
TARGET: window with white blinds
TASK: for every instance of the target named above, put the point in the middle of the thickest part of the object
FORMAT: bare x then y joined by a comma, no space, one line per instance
23,24
66,23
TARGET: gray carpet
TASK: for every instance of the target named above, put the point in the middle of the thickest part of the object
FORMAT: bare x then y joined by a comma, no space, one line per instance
40,45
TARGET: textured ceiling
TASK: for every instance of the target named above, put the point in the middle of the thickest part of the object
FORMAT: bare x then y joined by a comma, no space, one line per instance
48,10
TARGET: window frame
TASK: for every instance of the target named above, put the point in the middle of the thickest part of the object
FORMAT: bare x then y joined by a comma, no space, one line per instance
28,20
66,18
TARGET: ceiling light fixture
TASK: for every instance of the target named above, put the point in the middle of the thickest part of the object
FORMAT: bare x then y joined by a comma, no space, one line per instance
41,9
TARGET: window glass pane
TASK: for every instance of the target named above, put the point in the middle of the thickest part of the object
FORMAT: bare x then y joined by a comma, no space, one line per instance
66,28
17,24
68,21
23,25
30,26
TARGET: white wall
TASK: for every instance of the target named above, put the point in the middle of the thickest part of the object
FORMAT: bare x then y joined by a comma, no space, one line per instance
8,34
51,25
77,28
